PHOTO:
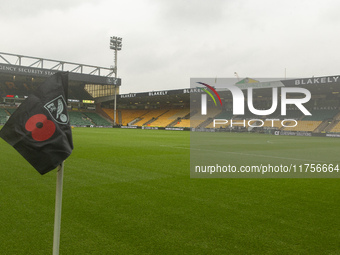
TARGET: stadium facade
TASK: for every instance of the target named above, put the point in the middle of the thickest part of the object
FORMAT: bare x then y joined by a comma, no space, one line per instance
92,89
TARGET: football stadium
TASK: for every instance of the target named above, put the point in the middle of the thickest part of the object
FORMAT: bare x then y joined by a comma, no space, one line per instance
136,183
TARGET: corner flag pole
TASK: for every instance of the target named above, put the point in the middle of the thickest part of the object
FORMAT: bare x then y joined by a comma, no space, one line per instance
57,215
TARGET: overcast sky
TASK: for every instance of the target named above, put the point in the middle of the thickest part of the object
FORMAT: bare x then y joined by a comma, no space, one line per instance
167,42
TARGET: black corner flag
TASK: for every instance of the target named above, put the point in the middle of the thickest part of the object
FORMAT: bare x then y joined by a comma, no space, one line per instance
40,128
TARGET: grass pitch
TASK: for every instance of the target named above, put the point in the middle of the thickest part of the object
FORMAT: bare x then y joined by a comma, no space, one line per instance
130,192
291,156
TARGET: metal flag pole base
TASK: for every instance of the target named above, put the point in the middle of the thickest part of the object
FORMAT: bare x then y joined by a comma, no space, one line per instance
57,215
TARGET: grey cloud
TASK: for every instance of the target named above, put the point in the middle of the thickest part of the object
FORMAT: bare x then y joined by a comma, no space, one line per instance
20,8
193,12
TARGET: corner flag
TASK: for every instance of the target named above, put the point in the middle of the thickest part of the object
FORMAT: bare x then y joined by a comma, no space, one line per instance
40,128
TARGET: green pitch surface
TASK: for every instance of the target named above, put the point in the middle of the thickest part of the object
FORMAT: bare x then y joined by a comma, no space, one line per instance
130,192
248,155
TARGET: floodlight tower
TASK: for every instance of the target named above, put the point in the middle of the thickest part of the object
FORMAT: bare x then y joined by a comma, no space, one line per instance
116,45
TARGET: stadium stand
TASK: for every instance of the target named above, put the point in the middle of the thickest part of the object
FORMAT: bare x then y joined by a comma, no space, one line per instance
336,128
130,116
150,116
197,119
78,92
22,89
317,122
337,117
97,119
110,112
15,88
272,124
155,111
180,114
3,116
165,119
249,115
304,125
187,123
78,119
125,116
11,110
321,114
227,115
275,115
293,114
